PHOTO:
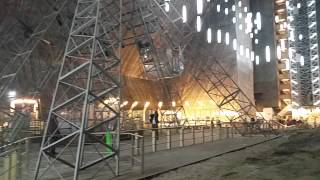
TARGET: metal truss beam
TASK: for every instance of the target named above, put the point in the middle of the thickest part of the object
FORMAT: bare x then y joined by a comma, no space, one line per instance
15,65
226,94
89,82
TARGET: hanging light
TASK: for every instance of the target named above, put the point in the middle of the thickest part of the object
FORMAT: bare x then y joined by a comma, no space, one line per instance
268,54
234,20
199,6
235,44
218,8
160,104
257,60
167,5
226,11
219,36
252,56
12,94
299,5
184,13
302,61
227,38
173,104
209,35
198,23
259,21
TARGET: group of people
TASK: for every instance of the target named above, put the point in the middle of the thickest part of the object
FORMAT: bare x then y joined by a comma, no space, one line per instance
290,122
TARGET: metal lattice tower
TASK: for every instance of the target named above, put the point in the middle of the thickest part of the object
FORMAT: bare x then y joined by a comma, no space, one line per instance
89,82
302,55
294,64
314,51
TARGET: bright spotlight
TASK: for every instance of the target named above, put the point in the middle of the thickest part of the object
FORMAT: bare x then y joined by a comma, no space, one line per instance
12,94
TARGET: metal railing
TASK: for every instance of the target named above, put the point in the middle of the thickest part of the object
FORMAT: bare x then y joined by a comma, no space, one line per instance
15,162
15,156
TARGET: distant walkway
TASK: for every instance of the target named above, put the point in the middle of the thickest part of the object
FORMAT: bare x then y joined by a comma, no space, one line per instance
163,161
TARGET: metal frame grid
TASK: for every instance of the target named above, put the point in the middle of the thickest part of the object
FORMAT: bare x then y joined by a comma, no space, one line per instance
15,65
302,50
314,51
294,65
226,94
177,36
87,94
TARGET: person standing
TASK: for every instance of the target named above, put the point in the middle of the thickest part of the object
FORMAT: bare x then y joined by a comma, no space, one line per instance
154,119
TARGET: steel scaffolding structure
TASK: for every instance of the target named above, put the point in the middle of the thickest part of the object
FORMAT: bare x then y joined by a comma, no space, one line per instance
303,53
226,94
314,50
15,65
88,89
294,64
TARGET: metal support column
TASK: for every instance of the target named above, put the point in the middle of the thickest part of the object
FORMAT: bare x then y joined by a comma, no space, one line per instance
89,81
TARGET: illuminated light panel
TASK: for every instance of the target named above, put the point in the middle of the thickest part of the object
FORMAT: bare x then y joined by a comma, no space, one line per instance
257,60
198,23
219,38
268,54
199,6
227,38
235,44
167,5
184,14
259,21
209,35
